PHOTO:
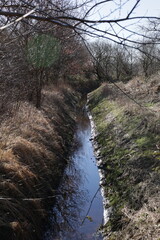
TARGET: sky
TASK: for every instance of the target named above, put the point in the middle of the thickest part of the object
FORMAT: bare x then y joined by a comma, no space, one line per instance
149,7
107,10
145,7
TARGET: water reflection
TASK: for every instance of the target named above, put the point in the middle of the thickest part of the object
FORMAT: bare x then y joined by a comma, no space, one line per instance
70,218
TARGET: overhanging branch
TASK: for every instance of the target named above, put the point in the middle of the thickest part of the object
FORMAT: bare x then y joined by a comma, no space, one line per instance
58,20
39,18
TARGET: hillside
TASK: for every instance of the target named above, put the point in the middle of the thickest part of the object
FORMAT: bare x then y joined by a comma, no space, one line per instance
34,150
128,138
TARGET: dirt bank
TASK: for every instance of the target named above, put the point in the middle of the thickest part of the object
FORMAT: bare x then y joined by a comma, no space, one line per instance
128,137
34,149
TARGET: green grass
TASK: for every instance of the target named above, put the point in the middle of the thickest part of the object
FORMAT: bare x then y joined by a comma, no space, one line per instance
127,141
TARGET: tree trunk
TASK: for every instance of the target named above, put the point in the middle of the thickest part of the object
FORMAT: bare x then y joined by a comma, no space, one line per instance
39,88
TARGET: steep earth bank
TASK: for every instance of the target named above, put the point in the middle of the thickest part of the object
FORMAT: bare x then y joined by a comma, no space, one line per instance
34,150
128,140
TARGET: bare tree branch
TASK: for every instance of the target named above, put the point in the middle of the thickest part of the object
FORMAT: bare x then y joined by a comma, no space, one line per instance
18,20
94,6
134,7
58,20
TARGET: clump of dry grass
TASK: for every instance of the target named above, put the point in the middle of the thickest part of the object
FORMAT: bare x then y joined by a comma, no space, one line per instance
33,154
145,222
145,92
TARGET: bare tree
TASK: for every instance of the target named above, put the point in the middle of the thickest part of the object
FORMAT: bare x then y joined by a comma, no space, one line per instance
79,16
149,55
37,51
112,62
103,61
68,21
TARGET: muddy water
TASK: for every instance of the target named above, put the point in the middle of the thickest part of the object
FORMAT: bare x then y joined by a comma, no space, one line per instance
78,212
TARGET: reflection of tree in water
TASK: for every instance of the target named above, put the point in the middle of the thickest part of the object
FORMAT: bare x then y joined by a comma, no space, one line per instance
66,218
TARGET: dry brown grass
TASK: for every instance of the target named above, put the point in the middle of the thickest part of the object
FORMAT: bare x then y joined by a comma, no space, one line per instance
146,92
33,153
144,224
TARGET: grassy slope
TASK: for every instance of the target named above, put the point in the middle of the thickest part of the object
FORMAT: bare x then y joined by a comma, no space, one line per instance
129,141
33,153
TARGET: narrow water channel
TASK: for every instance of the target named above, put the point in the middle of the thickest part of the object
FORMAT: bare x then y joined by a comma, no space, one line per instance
78,212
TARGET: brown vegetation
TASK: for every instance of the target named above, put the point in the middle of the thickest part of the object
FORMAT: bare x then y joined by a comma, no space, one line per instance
37,120
37,117
33,153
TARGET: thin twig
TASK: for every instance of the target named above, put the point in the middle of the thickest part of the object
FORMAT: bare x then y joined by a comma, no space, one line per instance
90,205
28,199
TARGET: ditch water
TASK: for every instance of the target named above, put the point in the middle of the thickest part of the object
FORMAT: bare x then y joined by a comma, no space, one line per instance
78,212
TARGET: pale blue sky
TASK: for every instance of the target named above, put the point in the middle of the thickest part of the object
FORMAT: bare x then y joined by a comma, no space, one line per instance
145,7
148,7
107,10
